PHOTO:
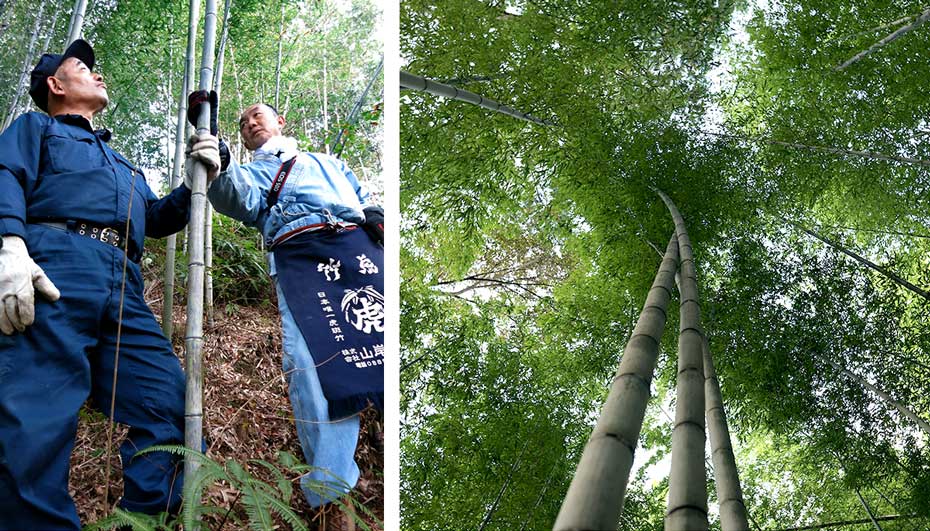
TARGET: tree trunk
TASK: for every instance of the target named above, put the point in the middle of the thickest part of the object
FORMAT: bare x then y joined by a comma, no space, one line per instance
411,81
895,35
500,494
27,67
595,497
726,476
193,416
77,22
687,497
887,273
167,323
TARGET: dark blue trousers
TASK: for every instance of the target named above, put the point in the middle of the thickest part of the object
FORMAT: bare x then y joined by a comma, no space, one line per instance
68,354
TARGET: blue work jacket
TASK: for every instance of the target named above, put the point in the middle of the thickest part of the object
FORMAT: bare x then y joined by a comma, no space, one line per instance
60,169
318,183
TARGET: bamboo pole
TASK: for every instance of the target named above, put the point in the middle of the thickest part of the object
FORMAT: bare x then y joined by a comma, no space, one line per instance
411,81
904,410
868,511
726,475
500,493
193,417
687,497
77,22
893,36
595,497
27,63
167,323
356,110
871,265
208,223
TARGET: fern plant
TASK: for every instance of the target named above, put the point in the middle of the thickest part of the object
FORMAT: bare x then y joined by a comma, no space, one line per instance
261,500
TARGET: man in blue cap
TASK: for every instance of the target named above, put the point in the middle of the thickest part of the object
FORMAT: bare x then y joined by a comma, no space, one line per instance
73,217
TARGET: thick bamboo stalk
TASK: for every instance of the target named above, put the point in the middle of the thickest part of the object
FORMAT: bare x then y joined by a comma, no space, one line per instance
595,497
77,22
871,265
687,497
27,64
411,81
193,417
167,323
726,476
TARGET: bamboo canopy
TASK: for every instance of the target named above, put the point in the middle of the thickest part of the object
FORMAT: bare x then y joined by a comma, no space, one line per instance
193,417
411,81
595,497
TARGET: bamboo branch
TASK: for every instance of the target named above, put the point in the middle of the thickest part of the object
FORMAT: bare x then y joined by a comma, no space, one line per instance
893,36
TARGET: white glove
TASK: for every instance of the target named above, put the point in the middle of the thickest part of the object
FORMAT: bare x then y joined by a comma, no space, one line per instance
20,277
204,148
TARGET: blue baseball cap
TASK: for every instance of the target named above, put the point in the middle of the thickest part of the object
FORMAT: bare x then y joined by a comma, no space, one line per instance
48,65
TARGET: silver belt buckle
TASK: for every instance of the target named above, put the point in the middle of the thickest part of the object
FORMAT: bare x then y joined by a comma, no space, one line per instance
108,235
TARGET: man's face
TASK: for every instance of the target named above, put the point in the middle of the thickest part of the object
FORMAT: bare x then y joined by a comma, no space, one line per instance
76,86
258,124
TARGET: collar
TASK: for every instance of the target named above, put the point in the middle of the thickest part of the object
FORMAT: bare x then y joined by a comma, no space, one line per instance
278,147
84,123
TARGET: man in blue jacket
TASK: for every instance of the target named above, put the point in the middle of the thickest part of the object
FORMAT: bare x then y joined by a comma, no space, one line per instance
327,267
73,217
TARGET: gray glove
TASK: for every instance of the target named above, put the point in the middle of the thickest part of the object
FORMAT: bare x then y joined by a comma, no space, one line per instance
203,148
20,277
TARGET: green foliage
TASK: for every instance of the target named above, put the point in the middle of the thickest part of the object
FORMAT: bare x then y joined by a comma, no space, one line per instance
635,91
261,501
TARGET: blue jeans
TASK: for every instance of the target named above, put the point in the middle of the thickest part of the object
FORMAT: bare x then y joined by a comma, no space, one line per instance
329,446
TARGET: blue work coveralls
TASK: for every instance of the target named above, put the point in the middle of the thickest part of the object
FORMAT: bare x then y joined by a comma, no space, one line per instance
61,172
318,184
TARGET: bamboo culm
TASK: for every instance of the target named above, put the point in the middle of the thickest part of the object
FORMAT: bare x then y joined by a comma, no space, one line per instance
687,497
871,265
732,510
167,323
27,67
77,22
193,417
595,497
411,81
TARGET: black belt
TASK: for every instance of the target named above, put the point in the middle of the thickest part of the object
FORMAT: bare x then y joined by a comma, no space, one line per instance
93,231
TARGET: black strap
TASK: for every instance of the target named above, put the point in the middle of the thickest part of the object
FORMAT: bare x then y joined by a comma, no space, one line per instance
278,183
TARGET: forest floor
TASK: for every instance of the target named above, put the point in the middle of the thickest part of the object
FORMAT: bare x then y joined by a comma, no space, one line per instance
247,415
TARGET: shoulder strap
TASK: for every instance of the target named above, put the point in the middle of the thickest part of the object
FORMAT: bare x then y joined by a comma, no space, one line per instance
278,183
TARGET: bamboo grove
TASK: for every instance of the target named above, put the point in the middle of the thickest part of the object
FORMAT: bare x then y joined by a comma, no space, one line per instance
792,138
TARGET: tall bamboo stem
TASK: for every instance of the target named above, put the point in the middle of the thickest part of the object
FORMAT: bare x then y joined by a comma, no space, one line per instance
167,323
595,497
411,81
726,476
77,22
687,497
27,62
193,417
